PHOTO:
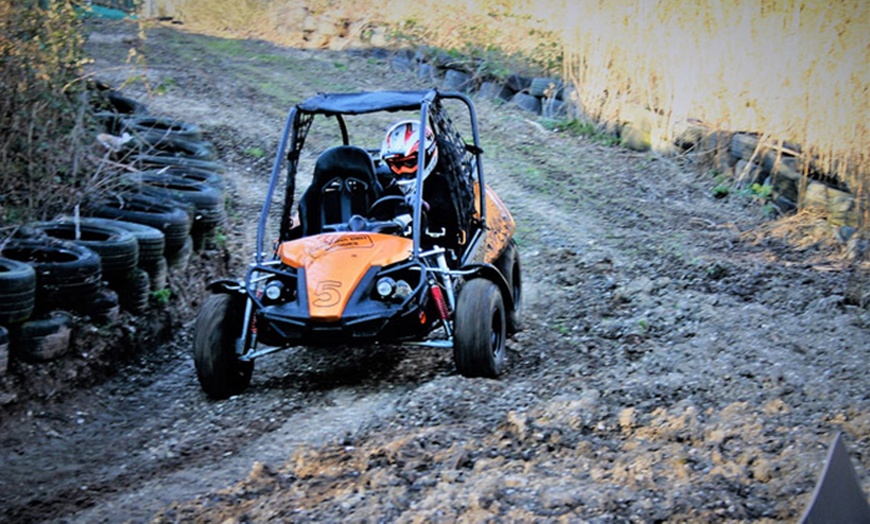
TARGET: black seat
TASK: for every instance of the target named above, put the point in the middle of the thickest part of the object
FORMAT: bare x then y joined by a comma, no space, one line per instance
344,184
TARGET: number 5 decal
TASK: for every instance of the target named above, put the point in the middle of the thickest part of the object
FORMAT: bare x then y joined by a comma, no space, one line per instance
327,293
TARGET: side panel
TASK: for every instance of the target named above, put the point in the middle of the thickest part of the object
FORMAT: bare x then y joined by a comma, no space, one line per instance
499,223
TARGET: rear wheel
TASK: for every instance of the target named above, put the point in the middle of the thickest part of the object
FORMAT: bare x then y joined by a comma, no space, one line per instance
218,325
480,330
508,263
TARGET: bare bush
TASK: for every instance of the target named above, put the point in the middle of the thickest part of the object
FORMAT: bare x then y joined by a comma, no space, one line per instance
43,108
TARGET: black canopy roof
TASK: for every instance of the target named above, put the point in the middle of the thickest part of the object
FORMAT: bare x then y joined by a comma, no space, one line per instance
369,102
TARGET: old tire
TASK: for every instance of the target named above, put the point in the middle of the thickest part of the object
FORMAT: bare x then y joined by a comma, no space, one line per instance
218,325
175,148
135,292
43,339
17,291
158,274
105,308
157,161
180,259
4,350
192,174
117,247
480,330
153,129
176,187
68,275
152,241
173,220
508,264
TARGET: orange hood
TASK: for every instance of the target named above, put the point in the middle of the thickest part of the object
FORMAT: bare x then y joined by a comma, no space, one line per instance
334,264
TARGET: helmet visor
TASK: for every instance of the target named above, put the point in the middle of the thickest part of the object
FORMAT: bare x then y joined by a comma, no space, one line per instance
403,166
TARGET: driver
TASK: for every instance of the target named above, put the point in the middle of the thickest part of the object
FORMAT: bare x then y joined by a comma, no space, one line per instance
400,152
400,155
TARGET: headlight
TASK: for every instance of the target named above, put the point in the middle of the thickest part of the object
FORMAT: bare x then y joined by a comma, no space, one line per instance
386,286
403,290
274,289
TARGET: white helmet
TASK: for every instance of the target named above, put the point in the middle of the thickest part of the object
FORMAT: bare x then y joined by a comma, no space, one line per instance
399,152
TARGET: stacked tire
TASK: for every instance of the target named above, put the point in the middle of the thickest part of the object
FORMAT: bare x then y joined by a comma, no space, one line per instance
152,246
178,185
111,109
68,277
174,220
164,142
52,274
172,162
17,291
17,299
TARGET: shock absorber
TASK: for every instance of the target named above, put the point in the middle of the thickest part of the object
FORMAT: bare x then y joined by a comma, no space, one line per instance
441,304
448,282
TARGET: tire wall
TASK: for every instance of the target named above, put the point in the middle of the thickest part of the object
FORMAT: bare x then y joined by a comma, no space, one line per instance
143,271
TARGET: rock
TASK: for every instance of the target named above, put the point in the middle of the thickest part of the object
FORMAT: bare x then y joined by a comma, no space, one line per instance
425,71
552,108
838,205
544,87
517,83
743,146
494,90
527,102
637,128
455,80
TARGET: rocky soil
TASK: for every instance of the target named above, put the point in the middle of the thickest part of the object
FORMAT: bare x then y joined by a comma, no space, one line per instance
684,358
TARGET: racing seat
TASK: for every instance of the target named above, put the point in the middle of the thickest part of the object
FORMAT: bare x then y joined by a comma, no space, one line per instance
344,184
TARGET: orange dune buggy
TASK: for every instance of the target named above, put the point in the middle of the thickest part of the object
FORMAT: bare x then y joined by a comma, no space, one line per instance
437,267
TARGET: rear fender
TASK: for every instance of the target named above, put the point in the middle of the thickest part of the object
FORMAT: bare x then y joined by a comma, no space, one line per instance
489,272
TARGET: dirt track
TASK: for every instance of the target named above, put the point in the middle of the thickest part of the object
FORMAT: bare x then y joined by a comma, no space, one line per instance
681,359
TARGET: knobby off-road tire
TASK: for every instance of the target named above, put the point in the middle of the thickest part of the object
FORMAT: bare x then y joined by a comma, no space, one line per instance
17,291
480,330
218,324
508,263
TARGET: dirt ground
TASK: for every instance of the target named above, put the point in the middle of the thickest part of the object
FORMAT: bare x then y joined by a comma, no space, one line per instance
684,358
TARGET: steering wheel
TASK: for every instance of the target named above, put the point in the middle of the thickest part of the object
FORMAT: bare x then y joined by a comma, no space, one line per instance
384,200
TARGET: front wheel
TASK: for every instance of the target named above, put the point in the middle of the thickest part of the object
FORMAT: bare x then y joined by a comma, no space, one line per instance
479,330
218,325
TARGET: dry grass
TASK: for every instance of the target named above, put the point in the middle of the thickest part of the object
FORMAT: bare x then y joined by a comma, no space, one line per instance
793,70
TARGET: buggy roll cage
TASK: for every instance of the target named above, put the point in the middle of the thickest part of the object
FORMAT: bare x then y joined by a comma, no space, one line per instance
299,121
